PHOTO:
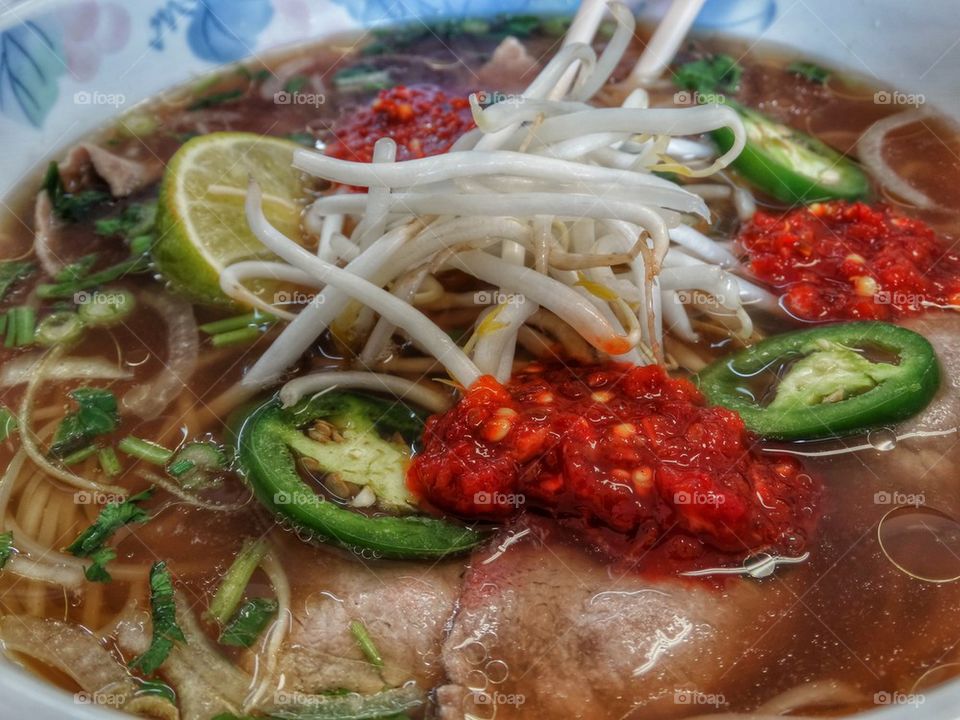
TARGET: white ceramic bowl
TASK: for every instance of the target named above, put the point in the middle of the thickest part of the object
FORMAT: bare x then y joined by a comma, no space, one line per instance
66,66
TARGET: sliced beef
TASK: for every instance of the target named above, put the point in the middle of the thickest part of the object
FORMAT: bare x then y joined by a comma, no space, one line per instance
406,608
510,67
124,175
206,683
942,329
546,630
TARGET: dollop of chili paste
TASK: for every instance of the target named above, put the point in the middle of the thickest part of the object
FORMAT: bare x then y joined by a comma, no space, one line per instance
614,448
839,260
422,119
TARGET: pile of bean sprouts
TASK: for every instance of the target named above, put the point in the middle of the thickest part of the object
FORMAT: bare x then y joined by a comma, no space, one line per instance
554,202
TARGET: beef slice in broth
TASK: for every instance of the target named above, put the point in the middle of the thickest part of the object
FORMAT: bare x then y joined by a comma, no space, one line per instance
548,630
405,606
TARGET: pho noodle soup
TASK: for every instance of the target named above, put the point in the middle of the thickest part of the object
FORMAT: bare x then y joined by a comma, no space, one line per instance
522,379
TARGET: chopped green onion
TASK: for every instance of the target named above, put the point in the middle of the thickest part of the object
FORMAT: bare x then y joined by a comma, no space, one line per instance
79,455
363,78
179,467
21,326
8,423
6,547
217,98
140,245
367,646
138,262
109,462
59,328
235,581
237,322
78,269
195,461
106,308
145,450
166,631
235,337
248,622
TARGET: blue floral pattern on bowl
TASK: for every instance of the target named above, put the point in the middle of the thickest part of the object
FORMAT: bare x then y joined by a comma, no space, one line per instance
31,63
380,11
219,31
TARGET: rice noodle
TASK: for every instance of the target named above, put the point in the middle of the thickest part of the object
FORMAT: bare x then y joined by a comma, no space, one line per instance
402,389
183,346
870,151
42,561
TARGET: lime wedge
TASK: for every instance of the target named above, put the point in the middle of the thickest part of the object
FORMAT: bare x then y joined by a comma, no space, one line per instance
200,217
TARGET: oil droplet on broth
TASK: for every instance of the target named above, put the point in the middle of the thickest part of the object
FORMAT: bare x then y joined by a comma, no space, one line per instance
882,439
921,542
497,671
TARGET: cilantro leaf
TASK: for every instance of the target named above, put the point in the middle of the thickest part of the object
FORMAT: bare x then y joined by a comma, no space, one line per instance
97,570
713,74
809,71
70,206
6,547
97,415
166,631
91,543
248,622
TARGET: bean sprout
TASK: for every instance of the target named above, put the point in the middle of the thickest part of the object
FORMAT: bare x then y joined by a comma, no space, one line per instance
552,201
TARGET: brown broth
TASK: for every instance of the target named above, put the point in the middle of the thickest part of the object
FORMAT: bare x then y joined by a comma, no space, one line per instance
858,621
